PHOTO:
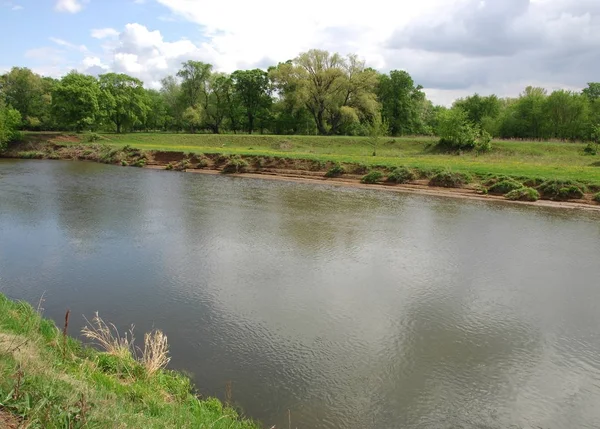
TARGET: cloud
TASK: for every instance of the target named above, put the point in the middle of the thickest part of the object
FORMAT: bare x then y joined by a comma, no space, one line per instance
103,33
61,42
17,7
71,6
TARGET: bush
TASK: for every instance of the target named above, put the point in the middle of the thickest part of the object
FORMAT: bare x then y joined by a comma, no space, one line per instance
457,133
591,149
169,166
449,179
504,187
124,163
570,193
523,194
335,171
401,175
360,169
597,197
202,163
235,165
139,163
562,189
372,177
93,137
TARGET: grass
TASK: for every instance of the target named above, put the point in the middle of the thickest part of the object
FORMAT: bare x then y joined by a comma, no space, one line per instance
519,159
50,380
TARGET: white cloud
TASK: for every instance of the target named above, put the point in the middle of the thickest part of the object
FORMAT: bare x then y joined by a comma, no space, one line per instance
61,42
17,7
103,33
71,6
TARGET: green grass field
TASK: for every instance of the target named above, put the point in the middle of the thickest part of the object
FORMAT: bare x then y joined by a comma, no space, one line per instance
50,381
548,160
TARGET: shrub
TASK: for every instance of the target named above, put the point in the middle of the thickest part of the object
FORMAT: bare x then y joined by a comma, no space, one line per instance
372,177
169,166
124,163
335,171
597,197
202,163
495,179
570,193
457,133
93,137
562,189
139,163
449,179
360,169
235,165
523,194
591,149
504,187
401,175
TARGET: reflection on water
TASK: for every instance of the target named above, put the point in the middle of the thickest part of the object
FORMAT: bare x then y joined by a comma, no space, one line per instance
350,308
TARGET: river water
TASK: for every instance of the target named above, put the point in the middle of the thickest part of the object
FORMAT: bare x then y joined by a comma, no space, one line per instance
349,308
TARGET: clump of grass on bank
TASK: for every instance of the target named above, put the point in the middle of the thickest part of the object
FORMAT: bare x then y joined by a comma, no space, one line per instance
401,175
450,179
596,197
335,171
504,186
562,190
523,194
48,380
372,177
235,165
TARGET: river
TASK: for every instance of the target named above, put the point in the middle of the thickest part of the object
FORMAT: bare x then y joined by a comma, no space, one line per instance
350,308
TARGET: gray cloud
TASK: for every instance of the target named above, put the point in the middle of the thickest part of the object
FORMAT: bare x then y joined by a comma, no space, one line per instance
499,43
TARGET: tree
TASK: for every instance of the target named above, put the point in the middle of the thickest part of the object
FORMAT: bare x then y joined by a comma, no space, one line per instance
28,93
10,119
253,89
529,112
122,99
157,115
567,116
592,92
75,101
401,102
194,75
325,83
216,100
171,93
458,133
192,118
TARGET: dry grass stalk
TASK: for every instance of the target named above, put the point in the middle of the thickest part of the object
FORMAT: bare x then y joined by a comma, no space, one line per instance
108,338
156,351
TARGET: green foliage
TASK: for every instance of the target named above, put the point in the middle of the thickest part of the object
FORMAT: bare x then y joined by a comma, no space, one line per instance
457,133
591,149
504,186
596,197
9,121
401,175
235,165
562,189
523,194
48,381
75,101
402,103
450,179
93,137
335,171
372,177
122,100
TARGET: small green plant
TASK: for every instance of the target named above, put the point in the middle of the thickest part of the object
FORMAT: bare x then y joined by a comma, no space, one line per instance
597,197
124,163
202,163
504,187
169,166
335,171
372,177
562,189
570,193
401,175
235,165
449,179
591,149
139,163
93,137
523,194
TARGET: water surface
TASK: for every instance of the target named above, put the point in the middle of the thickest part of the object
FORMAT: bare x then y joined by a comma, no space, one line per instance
350,308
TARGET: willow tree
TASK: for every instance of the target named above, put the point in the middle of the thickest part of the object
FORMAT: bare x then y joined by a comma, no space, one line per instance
337,91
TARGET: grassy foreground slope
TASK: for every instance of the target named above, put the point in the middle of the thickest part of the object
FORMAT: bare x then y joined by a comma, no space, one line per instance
544,160
50,381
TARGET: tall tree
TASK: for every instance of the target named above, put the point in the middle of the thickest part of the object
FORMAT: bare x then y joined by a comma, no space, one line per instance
567,115
28,93
253,90
171,93
123,100
75,101
401,102
194,76
10,119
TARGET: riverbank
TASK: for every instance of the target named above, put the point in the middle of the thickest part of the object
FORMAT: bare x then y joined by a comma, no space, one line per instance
565,185
50,380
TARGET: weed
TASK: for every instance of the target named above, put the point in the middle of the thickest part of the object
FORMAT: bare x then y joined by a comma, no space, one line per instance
169,166
523,194
562,189
139,163
372,177
235,165
93,137
449,179
336,171
108,338
597,197
401,175
504,186
156,352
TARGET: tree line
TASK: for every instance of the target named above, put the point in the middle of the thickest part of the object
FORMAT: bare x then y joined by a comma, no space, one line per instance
316,93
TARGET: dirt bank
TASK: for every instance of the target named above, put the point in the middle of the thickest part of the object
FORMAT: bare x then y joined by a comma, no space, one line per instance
264,167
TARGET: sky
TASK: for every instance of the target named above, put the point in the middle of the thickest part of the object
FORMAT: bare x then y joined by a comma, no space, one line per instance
452,48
